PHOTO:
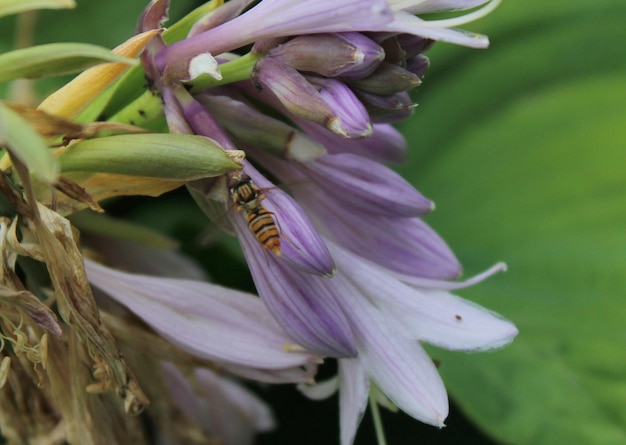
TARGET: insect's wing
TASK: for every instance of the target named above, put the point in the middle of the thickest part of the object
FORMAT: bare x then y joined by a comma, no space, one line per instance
216,210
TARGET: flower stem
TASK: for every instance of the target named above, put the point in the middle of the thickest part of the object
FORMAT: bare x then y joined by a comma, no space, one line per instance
140,112
378,424
234,70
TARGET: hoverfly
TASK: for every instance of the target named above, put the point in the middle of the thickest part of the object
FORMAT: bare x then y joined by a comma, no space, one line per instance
246,198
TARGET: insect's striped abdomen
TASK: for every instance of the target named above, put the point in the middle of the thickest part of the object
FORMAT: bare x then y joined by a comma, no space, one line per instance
261,224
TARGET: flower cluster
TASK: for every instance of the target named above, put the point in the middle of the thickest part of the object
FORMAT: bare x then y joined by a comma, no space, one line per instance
342,261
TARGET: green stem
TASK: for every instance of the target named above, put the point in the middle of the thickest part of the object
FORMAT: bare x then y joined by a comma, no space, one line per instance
232,71
378,424
140,112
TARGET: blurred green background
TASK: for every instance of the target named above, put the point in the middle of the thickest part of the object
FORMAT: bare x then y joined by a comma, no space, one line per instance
522,147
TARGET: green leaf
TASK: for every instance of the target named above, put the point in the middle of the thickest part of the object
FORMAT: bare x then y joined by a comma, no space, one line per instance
8,7
27,145
522,148
176,157
54,59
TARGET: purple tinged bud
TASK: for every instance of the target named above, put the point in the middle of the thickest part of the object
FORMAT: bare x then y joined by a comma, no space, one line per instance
418,65
263,46
343,54
174,114
201,121
387,109
353,120
414,45
386,80
292,89
302,98
394,53
153,16
261,130
367,186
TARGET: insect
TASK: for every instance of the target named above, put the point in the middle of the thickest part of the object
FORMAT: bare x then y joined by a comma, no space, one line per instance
247,197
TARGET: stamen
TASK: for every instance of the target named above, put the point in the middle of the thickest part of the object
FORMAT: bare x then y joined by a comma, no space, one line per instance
462,20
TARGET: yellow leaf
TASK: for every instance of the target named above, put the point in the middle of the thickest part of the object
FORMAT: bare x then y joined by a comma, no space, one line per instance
69,101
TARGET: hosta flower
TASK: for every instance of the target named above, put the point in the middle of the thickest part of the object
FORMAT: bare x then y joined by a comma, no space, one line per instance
342,260
280,114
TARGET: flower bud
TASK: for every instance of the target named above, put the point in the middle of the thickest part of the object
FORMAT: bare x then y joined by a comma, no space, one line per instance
386,80
387,109
414,45
260,130
334,106
353,119
418,65
346,54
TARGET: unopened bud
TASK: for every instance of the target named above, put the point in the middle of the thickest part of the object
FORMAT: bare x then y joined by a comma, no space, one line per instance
260,130
387,79
387,109
318,103
347,54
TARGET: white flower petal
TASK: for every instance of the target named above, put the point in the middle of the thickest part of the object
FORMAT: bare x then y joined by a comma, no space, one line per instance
353,398
320,390
430,315
410,24
305,375
204,319
398,364
445,320
427,6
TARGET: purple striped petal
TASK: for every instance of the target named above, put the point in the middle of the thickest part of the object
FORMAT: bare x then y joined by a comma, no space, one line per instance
203,319
430,315
302,303
353,397
406,246
300,244
397,363
277,18
386,145
366,186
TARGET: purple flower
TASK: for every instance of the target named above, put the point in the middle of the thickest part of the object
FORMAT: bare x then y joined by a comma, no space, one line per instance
349,54
341,260
390,320
219,406
277,18
209,321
